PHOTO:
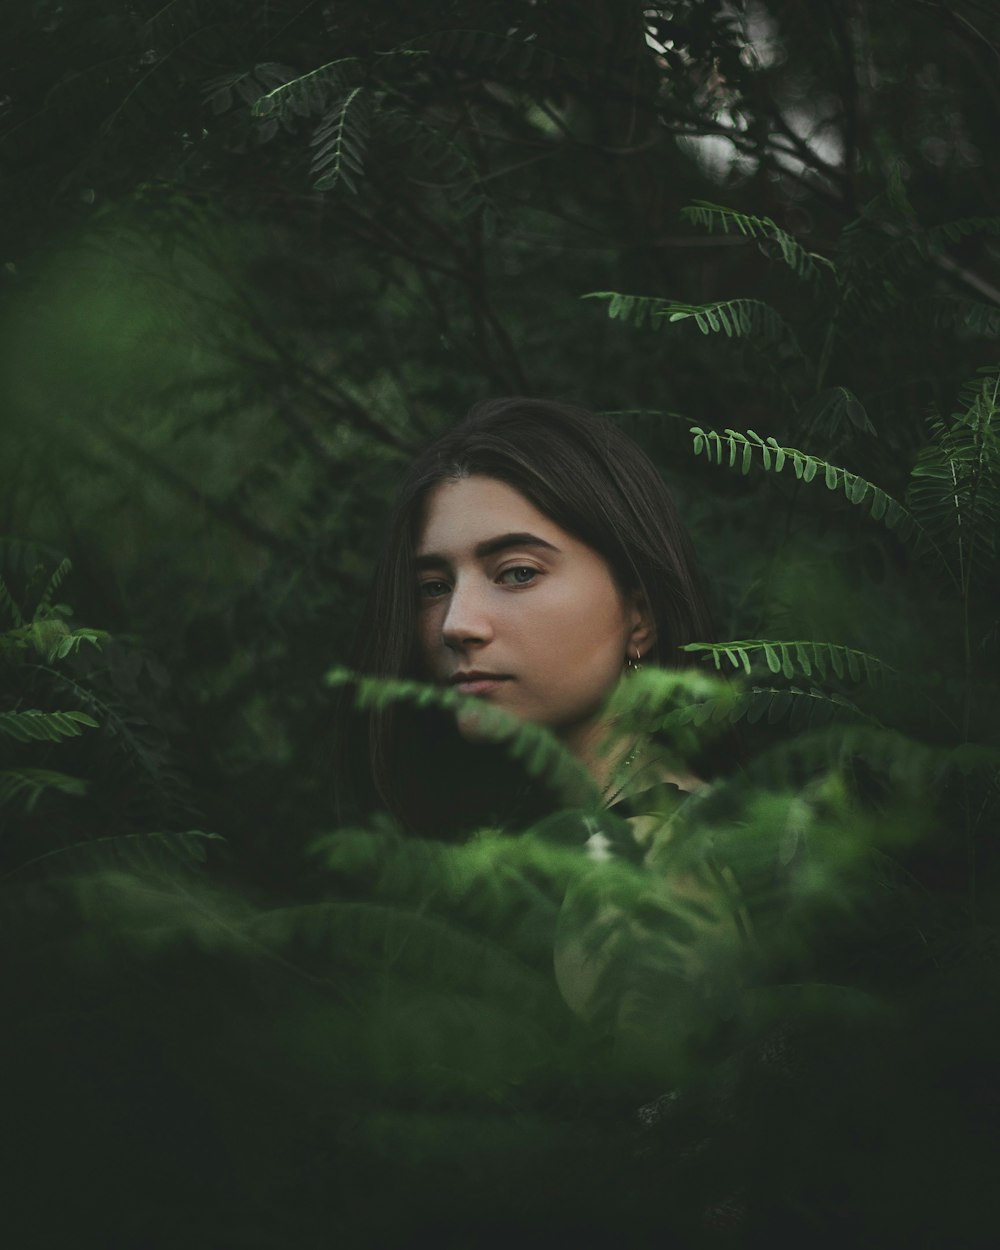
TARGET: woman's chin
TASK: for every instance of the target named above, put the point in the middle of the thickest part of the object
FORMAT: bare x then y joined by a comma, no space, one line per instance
477,724
480,721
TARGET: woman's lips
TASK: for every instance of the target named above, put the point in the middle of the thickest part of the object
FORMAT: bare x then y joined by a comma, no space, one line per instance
479,685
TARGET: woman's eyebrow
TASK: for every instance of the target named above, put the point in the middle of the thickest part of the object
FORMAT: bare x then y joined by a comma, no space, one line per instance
489,547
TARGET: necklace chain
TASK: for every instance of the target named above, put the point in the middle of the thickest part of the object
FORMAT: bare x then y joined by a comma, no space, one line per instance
617,772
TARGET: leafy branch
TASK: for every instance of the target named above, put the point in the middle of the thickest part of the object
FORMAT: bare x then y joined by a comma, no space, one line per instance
736,318
791,658
743,450
29,784
716,217
771,703
36,726
539,751
309,93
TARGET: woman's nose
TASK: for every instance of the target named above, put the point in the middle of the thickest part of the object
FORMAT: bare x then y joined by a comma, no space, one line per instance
467,618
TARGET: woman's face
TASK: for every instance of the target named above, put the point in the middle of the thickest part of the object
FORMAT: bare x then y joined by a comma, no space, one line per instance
505,592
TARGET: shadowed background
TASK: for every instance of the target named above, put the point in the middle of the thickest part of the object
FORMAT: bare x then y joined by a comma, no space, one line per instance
253,257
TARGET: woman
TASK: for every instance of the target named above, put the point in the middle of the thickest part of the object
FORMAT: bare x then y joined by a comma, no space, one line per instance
534,556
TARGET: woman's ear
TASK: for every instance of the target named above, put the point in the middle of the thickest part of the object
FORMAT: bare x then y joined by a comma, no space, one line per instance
642,630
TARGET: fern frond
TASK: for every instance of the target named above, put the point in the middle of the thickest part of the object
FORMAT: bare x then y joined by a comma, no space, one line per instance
439,155
639,309
500,881
18,557
55,581
130,852
794,658
310,93
651,700
534,746
7,601
127,729
35,726
72,642
913,766
247,86
404,942
341,140
52,638
736,318
833,407
745,450
955,484
388,864
802,707
955,231
29,784
976,316
874,268
717,217
971,390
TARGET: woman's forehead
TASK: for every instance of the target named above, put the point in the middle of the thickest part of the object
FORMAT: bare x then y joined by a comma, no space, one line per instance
460,514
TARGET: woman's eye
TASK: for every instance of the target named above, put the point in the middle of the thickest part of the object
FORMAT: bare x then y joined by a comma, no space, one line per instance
433,590
514,577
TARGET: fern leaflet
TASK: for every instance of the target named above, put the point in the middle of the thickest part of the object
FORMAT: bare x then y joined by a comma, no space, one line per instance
736,318
29,784
310,93
55,581
340,140
833,407
792,658
955,484
248,85
914,766
744,450
540,752
715,216
431,150
7,601
967,314
955,231
802,708
35,726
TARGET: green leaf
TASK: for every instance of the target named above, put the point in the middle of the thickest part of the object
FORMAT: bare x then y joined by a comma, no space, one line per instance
309,93
28,785
805,264
36,726
797,656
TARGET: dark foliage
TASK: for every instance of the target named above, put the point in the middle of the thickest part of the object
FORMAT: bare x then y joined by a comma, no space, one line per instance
254,255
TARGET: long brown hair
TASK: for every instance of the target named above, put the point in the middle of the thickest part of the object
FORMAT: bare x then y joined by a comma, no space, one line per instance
585,474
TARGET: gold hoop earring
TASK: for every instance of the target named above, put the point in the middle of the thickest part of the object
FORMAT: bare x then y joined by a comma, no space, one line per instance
633,666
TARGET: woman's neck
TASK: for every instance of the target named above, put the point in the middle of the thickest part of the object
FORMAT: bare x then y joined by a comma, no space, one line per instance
607,758
628,762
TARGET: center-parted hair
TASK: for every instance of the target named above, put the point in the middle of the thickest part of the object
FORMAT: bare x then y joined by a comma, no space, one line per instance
582,472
